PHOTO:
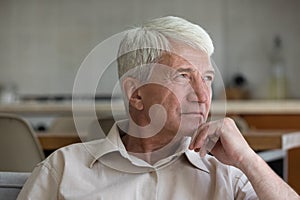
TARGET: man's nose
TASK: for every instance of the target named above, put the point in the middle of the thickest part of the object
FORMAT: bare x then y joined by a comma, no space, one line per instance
199,91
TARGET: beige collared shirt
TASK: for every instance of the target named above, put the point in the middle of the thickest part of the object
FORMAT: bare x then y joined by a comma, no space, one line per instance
103,169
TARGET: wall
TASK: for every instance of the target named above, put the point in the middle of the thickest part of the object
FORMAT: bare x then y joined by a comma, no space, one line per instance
251,27
43,43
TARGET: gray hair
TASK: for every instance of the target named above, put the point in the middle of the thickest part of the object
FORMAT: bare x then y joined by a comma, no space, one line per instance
146,44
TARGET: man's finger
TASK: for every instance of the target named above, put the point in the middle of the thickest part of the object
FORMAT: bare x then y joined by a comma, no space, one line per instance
198,137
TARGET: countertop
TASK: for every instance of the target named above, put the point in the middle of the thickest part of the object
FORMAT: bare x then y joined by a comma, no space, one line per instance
104,107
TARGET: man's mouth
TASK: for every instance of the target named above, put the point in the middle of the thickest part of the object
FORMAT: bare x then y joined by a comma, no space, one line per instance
193,113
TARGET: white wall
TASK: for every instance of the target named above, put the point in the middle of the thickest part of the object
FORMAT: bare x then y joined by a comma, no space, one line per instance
42,43
251,27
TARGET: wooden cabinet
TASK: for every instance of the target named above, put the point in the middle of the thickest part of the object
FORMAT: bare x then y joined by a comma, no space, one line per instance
272,121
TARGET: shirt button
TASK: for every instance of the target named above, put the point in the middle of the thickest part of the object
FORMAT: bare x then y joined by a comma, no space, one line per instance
152,172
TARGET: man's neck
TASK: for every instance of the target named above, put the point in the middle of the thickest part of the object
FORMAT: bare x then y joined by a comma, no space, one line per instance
151,149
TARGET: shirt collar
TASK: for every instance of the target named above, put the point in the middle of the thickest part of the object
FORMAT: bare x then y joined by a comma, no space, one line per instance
114,146
197,161
112,143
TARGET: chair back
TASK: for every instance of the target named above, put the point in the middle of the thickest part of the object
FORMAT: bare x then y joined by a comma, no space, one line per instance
20,150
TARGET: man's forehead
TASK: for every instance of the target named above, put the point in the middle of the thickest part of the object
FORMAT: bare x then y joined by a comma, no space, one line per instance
188,58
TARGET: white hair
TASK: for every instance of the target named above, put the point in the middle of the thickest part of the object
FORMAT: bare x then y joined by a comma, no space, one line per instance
145,44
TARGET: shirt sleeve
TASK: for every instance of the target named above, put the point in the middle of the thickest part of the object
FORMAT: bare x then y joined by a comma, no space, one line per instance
42,184
244,189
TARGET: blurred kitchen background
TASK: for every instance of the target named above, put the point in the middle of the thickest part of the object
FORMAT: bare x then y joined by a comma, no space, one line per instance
43,43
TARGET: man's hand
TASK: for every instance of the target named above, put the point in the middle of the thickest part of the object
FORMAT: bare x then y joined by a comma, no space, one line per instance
230,148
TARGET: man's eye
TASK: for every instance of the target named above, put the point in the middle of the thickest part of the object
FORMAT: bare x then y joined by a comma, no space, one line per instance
181,78
208,78
182,75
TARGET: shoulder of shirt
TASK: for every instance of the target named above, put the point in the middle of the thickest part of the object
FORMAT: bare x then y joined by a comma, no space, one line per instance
75,154
87,152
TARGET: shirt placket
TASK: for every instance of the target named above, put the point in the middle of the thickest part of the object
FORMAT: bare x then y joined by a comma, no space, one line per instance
154,174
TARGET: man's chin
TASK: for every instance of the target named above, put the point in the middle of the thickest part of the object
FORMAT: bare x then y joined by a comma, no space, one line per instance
190,127
188,131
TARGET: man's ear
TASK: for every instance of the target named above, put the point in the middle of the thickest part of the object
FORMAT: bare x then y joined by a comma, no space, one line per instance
131,90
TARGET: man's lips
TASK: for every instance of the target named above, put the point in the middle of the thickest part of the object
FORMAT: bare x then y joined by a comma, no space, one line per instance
192,113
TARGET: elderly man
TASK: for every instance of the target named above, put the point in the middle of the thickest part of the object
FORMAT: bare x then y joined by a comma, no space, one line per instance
160,152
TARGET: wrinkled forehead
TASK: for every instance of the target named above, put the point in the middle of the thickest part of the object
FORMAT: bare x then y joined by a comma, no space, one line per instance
185,57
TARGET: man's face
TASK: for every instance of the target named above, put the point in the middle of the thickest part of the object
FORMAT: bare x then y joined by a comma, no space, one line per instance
181,83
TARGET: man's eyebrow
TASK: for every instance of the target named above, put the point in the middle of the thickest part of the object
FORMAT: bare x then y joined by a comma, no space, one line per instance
185,70
211,71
